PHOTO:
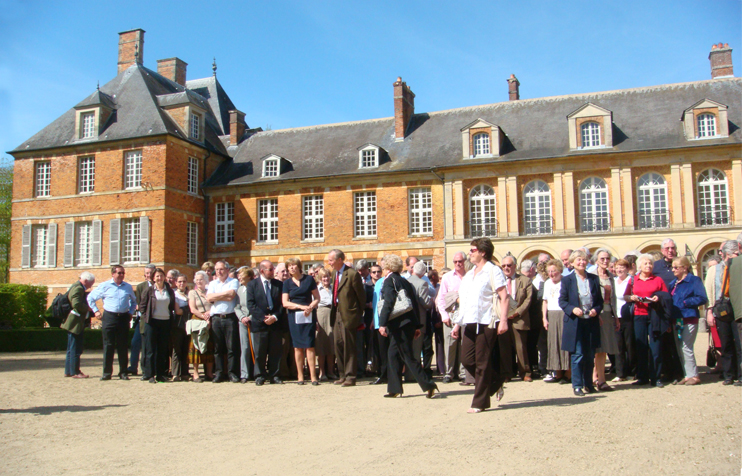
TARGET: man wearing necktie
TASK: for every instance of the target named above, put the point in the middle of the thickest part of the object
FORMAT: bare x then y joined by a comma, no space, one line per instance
264,302
346,315
519,288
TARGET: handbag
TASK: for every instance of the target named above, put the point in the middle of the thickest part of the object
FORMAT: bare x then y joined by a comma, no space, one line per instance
512,303
722,309
402,304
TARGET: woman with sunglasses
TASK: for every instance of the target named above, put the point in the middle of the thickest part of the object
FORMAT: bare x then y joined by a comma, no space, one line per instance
687,293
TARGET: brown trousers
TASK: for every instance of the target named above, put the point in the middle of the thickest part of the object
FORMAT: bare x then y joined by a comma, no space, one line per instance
514,337
476,357
345,349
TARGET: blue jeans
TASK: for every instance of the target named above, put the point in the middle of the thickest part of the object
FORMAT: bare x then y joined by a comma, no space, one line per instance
74,351
136,348
583,358
647,348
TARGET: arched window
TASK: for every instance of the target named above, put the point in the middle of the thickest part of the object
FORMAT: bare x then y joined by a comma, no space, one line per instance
537,208
713,198
482,214
705,260
706,125
590,134
652,200
594,214
481,144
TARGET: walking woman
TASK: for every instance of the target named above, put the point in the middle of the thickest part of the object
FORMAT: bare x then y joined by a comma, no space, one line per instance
581,299
300,299
687,293
557,358
477,294
159,308
200,306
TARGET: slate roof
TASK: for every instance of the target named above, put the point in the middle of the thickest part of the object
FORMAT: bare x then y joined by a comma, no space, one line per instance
134,95
219,102
643,119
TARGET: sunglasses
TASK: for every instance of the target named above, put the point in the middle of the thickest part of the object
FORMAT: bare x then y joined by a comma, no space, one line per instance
458,261
474,250
507,265
375,272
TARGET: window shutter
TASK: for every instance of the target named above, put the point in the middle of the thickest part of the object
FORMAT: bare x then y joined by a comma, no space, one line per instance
69,244
26,247
144,239
114,243
51,246
97,239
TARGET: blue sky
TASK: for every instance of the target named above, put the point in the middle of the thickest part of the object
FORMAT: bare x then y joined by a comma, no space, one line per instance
290,64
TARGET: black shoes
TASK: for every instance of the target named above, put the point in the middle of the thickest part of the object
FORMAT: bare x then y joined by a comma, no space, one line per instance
259,381
277,380
659,384
640,382
392,395
243,380
152,380
579,392
234,379
433,392
123,377
106,377
725,382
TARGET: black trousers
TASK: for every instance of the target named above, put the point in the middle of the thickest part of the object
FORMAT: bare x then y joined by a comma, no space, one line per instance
480,356
670,360
427,359
537,345
226,335
179,341
381,353
267,345
158,348
115,334
625,359
730,355
400,354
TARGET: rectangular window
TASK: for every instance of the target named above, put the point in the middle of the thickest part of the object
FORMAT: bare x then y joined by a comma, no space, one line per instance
192,244
268,220
133,169
428,263
421,211
83,243
43,178
131,240
86,174
195,126
39,241
368,158
192,175
308,265
88,125
224,223
365,214
271,168
314,217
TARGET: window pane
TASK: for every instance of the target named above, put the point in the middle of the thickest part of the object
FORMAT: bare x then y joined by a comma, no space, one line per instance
133,169
421,211
482,211
365,214
314,217
87,175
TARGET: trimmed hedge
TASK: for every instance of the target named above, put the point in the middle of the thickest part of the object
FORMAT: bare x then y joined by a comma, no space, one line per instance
49,339
23,305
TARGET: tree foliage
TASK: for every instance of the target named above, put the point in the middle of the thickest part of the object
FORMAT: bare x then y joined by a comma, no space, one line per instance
6,195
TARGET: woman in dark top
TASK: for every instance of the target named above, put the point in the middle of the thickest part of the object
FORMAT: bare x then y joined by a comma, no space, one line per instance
300,298
159,308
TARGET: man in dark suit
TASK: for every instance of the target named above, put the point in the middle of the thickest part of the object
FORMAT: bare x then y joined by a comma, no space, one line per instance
519,288
346,315
264,302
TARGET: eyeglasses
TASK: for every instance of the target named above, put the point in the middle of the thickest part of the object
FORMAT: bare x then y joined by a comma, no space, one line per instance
375,272
670,248
119,272
474,250
507,265
458,261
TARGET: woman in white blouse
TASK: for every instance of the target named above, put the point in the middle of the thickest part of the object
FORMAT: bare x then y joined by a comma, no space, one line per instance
625,334
324,345
476,293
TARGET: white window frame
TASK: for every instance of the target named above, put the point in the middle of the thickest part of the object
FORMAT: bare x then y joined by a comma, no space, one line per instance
590,134
39,242
428,260
86,174
83,251
706,126
194,129
313,218
268,220
482,211
481,141
713,198
224,223
594,206
87,125
364,215
271,167
192,243
537,215
133,169
651,199
420,201
368,158
131,240
307,265
193,175
43,172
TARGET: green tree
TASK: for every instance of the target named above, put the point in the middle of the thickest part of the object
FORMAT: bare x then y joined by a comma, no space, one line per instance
6,195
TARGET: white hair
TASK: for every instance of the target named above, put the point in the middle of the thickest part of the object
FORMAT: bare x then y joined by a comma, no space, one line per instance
204,275
419,269
526,264
644,257
667,241
87,276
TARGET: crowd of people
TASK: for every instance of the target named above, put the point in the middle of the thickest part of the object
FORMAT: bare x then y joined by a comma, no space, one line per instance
560,320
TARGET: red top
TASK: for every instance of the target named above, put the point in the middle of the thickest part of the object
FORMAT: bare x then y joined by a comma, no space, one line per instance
644,288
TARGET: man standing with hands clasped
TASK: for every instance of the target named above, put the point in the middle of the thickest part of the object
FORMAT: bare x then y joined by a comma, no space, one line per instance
222,294
119,303
348,304
263,297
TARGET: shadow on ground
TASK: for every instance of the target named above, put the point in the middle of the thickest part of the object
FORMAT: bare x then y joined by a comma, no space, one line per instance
45,363
57,409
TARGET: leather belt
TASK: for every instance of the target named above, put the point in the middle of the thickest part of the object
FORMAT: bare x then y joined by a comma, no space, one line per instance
225,316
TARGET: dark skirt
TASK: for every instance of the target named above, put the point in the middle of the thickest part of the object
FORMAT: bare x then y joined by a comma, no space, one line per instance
302,335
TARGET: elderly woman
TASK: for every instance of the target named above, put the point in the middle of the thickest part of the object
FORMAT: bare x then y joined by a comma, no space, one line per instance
178,337
199,307
557,358
608,321
688,293
640,291
625,334
300,299
324,344
480,288
581,299
401,330
159,309
247,359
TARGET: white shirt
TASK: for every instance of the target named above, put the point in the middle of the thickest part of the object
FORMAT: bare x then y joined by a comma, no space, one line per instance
162,303
551,295
537,281
476,293
619,293
216,286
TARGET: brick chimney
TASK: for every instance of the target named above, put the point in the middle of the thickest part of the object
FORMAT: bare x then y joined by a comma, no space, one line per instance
404,108
237,126
721,61
513,88
173,69
131,48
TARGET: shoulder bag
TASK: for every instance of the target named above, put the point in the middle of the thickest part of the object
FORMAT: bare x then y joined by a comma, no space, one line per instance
402,304
722,309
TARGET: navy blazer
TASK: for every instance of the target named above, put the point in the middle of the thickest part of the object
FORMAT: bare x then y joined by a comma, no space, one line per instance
257,303
569,299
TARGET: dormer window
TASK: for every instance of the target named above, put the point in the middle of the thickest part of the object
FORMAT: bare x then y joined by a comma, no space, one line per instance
92,115
270,168
87,125
481,139
590,134
481,144
590,127
195,126
706,125
368,156
706,119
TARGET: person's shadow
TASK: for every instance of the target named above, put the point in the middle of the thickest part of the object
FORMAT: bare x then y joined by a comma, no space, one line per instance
57,409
